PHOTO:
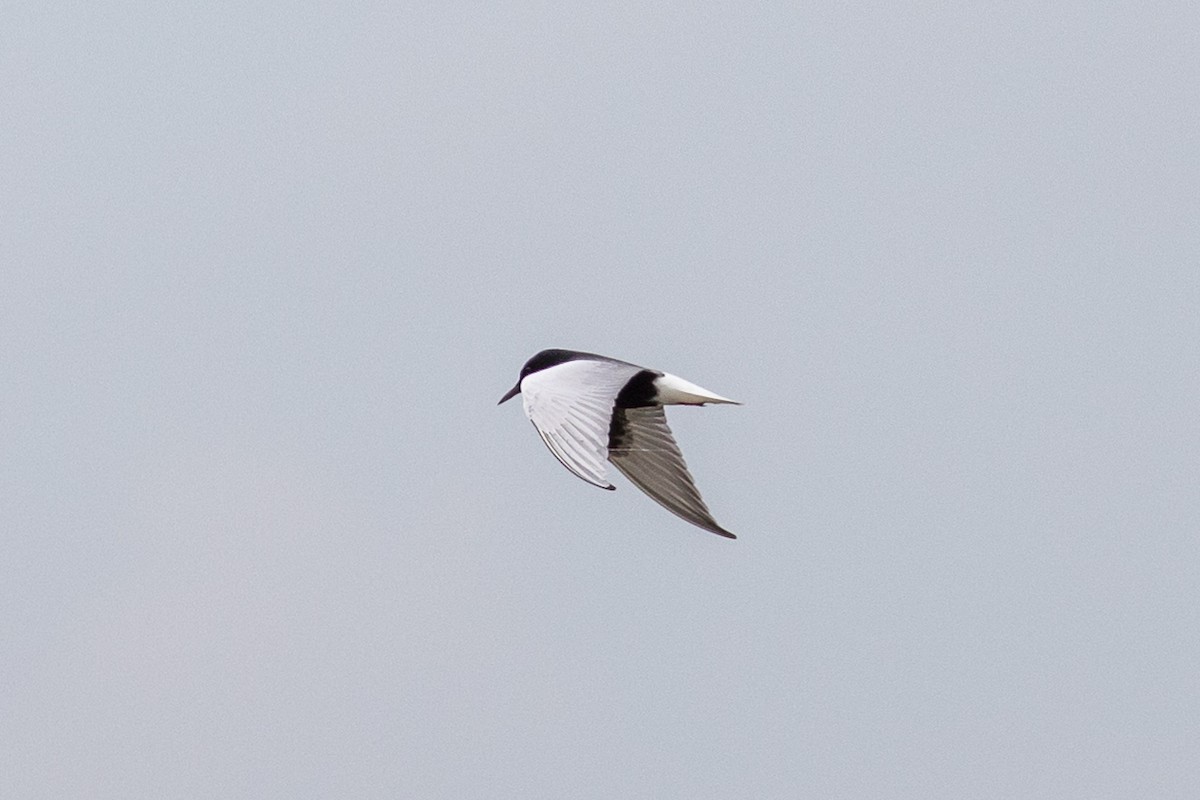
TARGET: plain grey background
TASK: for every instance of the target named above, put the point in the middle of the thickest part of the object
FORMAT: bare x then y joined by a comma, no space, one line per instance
267,268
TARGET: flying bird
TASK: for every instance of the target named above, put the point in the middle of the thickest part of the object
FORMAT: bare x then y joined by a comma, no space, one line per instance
590,409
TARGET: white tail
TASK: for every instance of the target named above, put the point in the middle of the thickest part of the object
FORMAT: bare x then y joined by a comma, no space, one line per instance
674,390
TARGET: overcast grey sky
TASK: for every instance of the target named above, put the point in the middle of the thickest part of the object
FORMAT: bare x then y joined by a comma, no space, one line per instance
268,267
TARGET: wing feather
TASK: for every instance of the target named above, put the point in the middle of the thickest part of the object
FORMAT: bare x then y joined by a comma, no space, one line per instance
571,406
645,450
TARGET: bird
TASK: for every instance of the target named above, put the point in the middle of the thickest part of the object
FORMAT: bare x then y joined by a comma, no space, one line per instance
589,409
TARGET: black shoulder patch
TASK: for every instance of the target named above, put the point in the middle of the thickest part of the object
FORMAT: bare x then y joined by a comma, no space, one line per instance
638,391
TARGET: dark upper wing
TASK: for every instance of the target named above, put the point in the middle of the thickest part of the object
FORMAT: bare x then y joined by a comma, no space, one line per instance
643,448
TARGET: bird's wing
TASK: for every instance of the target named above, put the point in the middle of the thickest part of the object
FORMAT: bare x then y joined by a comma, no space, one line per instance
571,406
643,448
